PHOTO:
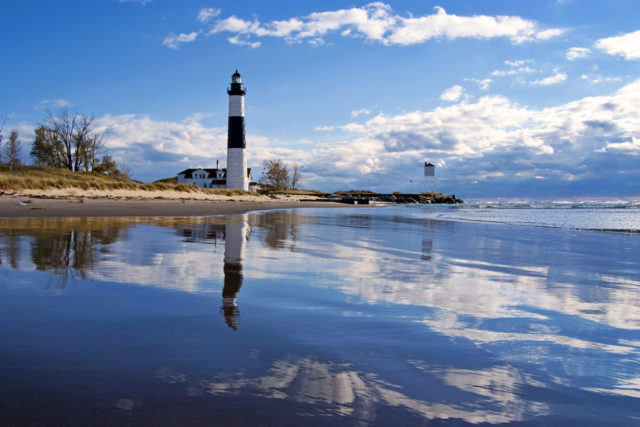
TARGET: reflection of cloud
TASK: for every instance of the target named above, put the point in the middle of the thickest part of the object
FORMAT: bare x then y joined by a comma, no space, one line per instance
501,384
184,270
457,288
124,405
343,391
167,375
482,336
629,387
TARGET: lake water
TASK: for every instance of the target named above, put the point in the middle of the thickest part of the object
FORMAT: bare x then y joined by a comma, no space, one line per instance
358,316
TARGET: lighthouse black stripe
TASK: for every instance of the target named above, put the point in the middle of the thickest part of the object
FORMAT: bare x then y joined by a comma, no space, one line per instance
235,137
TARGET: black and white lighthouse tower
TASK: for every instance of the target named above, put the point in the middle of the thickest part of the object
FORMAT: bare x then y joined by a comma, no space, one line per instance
236,146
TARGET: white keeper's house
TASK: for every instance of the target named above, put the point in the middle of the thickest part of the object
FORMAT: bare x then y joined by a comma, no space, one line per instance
210,178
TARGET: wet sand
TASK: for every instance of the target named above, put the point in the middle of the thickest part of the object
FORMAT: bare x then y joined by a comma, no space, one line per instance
12,206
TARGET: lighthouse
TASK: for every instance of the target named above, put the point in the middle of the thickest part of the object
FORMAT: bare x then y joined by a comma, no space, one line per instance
236,146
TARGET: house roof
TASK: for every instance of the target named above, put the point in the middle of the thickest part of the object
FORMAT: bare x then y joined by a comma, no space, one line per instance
212,172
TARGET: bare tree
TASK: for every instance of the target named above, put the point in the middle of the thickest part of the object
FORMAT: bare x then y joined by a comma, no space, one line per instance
276,174
125,170
295,176
1,129
12,150
68,141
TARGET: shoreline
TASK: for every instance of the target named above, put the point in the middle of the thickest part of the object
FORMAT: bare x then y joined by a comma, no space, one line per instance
92,203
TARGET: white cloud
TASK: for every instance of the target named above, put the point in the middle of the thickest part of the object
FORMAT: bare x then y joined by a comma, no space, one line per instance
516,67
377,22
236,40
452,94
483,84
596,79
142,2
497,133
206,14
49,103
161,139
471,140
630,147
363,111
627,45
548,34
235,25
577,52
518,62
558,77
326,128
173,41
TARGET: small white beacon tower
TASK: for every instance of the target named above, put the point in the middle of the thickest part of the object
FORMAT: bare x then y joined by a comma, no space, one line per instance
429,171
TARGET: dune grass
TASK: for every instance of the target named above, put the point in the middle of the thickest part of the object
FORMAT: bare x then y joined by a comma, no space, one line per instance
43,178
297,192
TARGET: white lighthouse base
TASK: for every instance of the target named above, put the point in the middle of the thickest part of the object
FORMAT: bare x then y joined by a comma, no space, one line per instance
237,169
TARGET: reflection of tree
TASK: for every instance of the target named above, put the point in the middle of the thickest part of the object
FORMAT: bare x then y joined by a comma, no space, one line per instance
63,246
13,250
279,228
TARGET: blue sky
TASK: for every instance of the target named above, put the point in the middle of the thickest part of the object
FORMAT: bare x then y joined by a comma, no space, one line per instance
531,99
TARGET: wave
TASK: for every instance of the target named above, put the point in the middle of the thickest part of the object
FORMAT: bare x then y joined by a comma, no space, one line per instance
552,204
621,217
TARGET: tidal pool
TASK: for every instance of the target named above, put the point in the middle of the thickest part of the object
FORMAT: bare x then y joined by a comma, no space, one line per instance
312,317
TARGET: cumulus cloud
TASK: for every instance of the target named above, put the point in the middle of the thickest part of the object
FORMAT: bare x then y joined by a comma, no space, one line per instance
173,41
494,134
377,22
493,141
558,77
452,94
149,145
577,52
627,45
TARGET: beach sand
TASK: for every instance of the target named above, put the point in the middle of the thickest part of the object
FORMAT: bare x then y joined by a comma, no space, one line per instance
96,203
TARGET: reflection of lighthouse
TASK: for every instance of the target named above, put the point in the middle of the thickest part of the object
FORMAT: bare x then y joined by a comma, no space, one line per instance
236,146
236,234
